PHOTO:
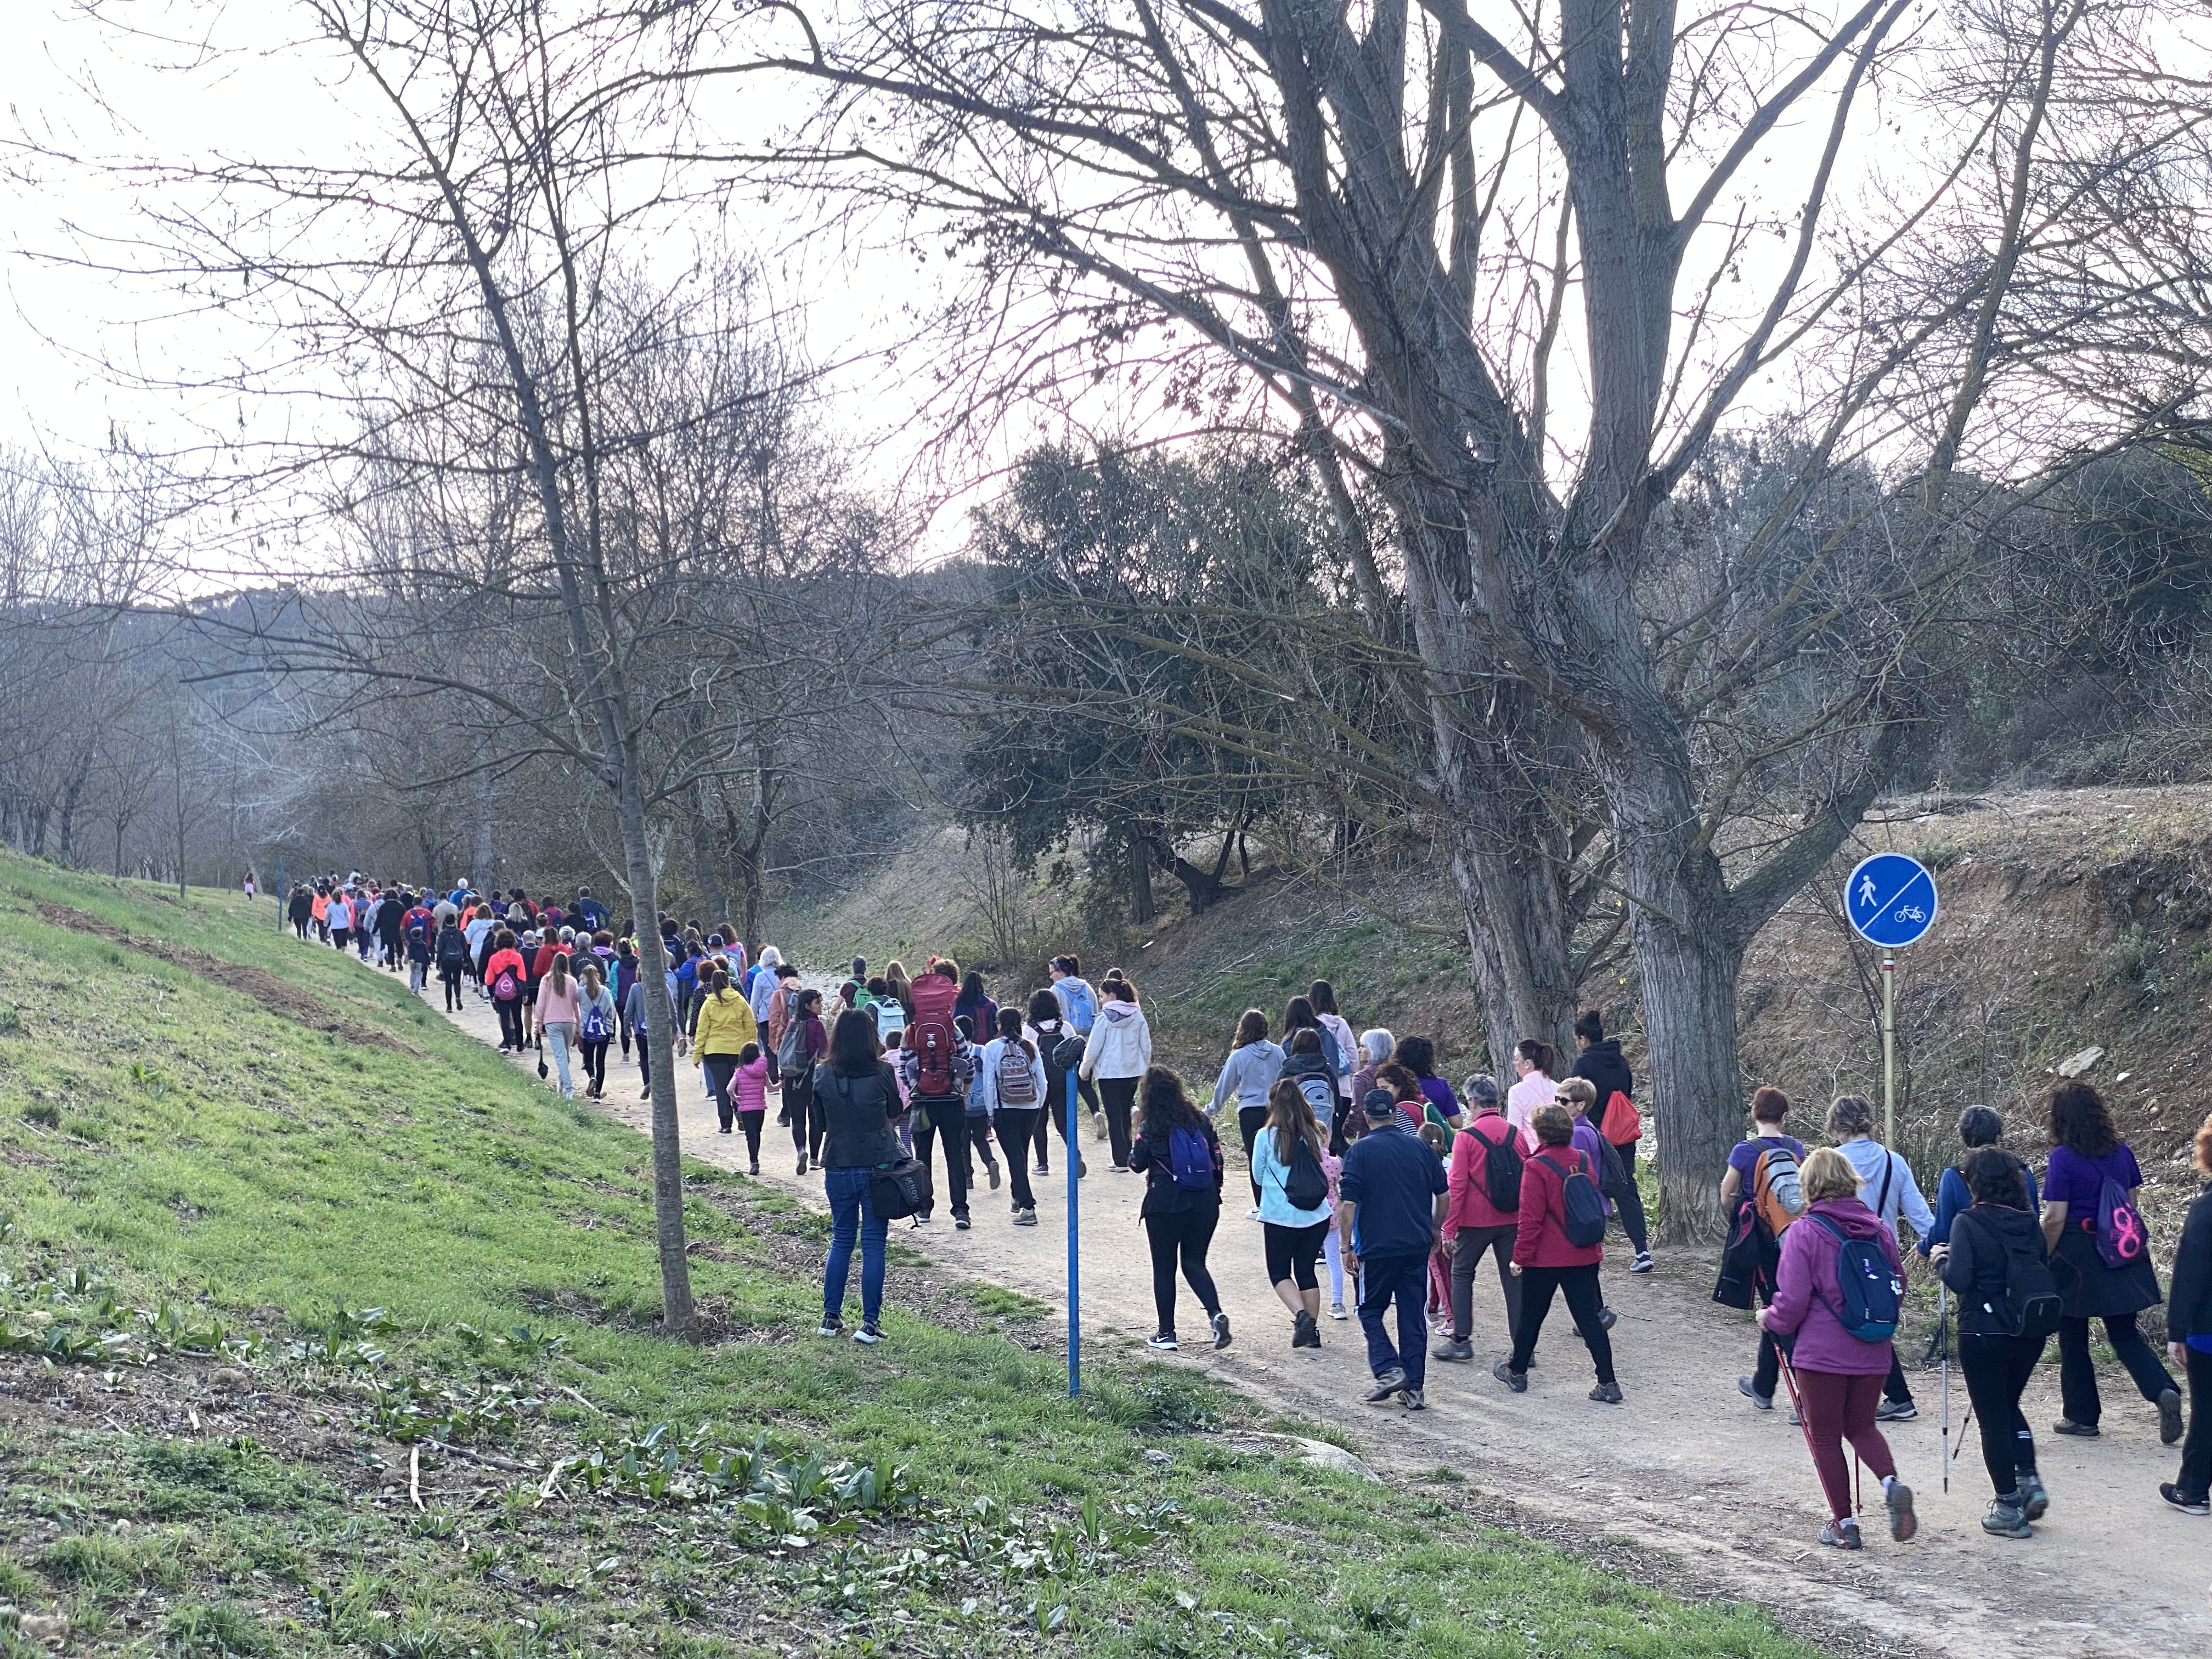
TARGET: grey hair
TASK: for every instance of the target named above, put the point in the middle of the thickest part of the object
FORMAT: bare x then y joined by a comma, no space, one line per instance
1379,1044
1850,1115
1480,1089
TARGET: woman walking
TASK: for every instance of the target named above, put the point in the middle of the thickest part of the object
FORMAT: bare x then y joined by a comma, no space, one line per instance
1598,1059
503,974
1887,1183
1996,1262
1548,1261
1049,1029
1533,1060
558,1011
1441,1106
858,1100
804,1041
1376,1047
722,1029
1475,1224
1978,1127
1247,1076
1291,1169
1839,1374
1117,1057
1009,1090
2189,1339
597,1021
2087,1226
1766,1163
1323,995
1179,1154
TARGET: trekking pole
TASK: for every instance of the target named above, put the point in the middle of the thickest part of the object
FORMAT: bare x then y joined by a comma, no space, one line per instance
1074,1158
1943,1337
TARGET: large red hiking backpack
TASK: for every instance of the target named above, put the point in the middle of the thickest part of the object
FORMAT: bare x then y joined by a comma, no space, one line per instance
931,1036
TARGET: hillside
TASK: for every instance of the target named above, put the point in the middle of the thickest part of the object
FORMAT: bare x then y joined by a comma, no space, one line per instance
324,1331
2071,918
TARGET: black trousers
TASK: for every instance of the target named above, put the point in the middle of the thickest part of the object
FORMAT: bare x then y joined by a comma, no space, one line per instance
1997,1369
946,1121
1250,1120
750,1123
1181,1238
1584,1301
1292,1251
510,1022
1120,1094
644,1059
1628,1202
451,979
720,1068
2077,1372
1017,1127
2196,1474
1469,1246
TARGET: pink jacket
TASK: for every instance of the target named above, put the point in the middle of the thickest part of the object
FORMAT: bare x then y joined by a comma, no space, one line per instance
749,1084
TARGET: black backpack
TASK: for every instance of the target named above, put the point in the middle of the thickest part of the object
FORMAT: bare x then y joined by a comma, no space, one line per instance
2031,1305
1501,1166
1582,1210
1306,1185
453,948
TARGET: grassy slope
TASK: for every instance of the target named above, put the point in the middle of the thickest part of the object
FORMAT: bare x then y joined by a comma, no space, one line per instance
209,1151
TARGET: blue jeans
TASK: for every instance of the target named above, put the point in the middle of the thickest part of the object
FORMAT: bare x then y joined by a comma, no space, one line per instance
1406,1278
851,1215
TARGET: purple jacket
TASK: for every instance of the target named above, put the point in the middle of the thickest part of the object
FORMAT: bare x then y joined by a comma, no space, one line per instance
1586,1141
1806,1290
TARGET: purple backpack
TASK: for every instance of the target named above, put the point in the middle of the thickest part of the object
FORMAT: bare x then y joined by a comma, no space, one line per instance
2120,1235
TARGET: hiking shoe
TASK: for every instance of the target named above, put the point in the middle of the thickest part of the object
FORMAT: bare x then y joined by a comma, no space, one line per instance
1386,1386
2005,1519
1750,1390
869,1335
1451,1348
1903,1523
1642,1264
1607,1319
1336,1311
1414,1400
1606,1393
2169,1417
755,1171
1026,1217
2080,1430
1896,1411
1305,1333
993,1169
1164,1343
960,1223
831,1328
1516,1381
1842,1535
802,1164
1221,1337
2035,1501
2200,1504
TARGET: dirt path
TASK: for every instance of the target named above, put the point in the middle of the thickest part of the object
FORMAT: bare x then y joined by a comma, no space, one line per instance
1686,1469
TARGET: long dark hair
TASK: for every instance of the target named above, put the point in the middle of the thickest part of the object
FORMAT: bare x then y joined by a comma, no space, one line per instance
1993,1177
971,989
1166,1103
1253,1027
1298,1016
854,1049
2081,1122
1323,995
1418,1055
1044,1009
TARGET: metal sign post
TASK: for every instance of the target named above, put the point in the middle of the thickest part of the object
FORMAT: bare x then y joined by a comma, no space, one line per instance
1891,902
282,894
1072,1155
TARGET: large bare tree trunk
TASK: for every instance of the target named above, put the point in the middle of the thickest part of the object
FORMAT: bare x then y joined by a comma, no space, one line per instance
702,858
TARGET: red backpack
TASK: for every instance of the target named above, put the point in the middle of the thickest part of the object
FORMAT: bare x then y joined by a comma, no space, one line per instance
931,1036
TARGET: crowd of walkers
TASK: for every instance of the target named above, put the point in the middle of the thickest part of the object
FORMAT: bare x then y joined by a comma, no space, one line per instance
1363,1163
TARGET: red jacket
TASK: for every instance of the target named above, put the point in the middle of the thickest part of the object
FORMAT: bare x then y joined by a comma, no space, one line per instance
1540,1243
1470,1205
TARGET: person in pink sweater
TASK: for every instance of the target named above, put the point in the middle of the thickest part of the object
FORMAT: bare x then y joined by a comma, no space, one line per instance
749,1087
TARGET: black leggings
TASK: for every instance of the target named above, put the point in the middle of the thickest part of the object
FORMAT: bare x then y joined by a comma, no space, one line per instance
1292,1251
1250,1120
510,1022
451,979
1120,1097
1998,1369
1628,1202
1186,1236
1584,1302
750,1123
720,1068
595,1060
1016,1126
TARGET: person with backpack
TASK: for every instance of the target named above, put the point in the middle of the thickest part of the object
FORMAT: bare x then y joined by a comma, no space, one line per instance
886,1010
504,973
1579,1096
390,923
1291,1166
1011,1090
1248,1077
597,1020
2188,1338
975,1005
761,982
1323,995
625,976
937,1068
1481,1214
1891,1193
558,1012
1178,1153
1996,1262
798,1049
1059,1047
1389,1215
1763,1189
859,1101
2100,1256
1079,1006
1837,1296
1118,1054
478,931
1439,1105
1598,1059
417,950
1978,1127
451,953
1558,1242
1533,1062
980,1141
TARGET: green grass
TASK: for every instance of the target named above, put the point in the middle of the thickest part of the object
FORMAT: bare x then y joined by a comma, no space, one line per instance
352,1248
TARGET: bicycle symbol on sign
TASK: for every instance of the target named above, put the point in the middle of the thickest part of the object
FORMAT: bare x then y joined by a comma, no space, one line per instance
1909,912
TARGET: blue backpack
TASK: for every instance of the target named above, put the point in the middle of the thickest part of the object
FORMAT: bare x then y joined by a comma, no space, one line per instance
1190,1160
1082,1012
1871,1291
1582,1209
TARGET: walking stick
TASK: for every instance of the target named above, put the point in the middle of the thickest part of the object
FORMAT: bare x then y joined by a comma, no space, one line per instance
1943,1336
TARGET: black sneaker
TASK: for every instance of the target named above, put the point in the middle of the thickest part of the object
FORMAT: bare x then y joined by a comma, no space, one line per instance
2067,1425
1606,1393
831,1328
1386,1386
1607,1319
1451,1348
1413,1401
2169,1418
1305,1333
2200,1504
1164,1343
1516,1381
1750,1390
869,1335
1642,1264
994,1169
1221,1337
1896,1411
960,1223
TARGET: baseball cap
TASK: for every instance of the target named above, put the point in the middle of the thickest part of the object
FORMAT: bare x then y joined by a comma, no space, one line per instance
1379,1102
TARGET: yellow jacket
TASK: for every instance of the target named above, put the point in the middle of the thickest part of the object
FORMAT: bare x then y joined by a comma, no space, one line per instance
724,1026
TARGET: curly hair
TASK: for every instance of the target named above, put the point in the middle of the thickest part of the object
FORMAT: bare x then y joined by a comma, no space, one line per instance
1166,1103
2204,1148
1993,1177
2080,1121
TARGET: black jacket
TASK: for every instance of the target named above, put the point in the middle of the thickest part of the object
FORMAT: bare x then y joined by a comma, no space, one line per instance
1150,1157
1975,1272
1606,1070
857,1114
2189,1298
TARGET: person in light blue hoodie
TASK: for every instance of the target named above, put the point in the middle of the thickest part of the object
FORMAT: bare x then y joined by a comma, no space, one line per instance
1294,1232
1250,1071
1887,1187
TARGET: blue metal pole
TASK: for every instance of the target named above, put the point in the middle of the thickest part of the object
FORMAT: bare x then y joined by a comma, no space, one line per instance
1072,1155
280,893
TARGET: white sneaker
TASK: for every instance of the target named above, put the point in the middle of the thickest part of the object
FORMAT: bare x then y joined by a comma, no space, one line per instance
1336,1311
1252,1214
1642,1264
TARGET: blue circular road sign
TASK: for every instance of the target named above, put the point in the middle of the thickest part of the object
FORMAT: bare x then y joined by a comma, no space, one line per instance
1890,899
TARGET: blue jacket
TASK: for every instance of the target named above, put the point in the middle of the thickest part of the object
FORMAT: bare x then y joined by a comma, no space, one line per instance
1952,1196
1395,1180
